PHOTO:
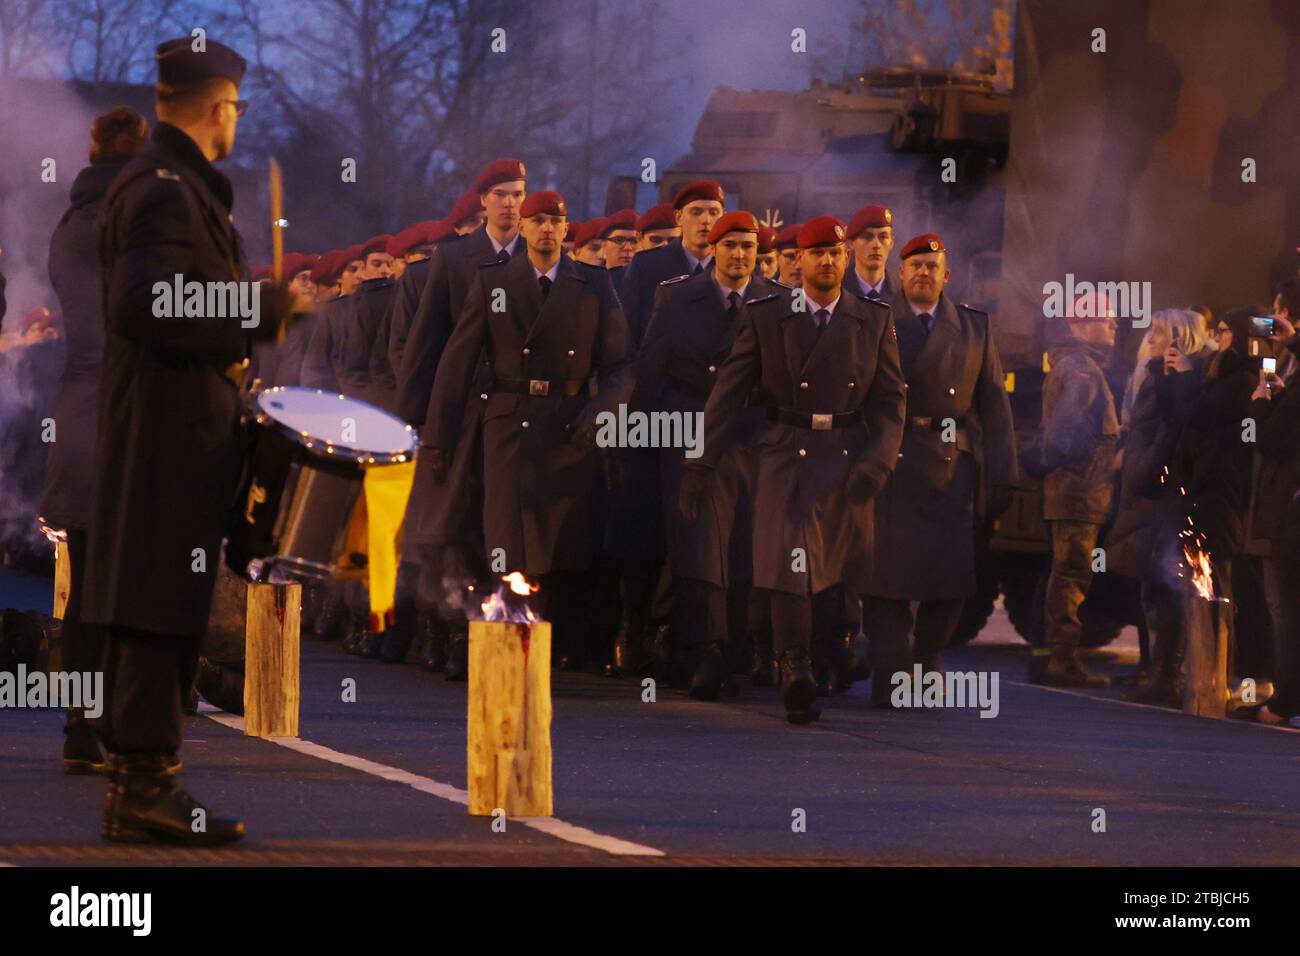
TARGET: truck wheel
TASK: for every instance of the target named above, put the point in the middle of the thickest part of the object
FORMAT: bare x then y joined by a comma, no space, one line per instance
975,612
1021,577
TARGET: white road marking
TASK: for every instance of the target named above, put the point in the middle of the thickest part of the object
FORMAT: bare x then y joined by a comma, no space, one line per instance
444,791
1140,706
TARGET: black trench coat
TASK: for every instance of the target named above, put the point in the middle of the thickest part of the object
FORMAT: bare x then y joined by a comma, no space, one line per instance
539,484
924,545
687,341
169,441
802,497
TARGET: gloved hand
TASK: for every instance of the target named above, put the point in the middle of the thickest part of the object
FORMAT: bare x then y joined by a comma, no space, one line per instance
274,309
695,484
437,463
865,481
1000,498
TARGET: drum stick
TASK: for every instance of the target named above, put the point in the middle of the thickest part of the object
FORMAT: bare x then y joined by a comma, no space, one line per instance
277,232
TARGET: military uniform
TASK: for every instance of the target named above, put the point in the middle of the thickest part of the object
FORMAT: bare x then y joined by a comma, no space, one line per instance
959,441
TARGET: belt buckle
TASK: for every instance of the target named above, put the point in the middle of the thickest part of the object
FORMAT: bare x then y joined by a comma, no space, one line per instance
922,422
538,386
822,423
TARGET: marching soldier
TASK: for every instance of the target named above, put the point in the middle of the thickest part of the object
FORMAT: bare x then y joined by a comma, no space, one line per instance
955,470
406,298
767,267
589,244
561,325
826,366
169,442
444,518
872,233
326,364
695,321
655,227
786,244
618,242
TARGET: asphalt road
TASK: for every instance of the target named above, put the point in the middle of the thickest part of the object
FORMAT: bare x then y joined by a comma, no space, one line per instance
380,780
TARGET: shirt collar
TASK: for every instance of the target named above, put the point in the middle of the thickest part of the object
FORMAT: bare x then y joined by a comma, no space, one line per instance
508,247
726,292
879,286
692,262
549,273
814,308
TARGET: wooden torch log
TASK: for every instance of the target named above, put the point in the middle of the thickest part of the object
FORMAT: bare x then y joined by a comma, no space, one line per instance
510,719
1205,663
271,664
62,578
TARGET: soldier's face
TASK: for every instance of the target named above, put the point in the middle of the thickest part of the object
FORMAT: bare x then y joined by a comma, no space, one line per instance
303,290
924,276
590,253
543,233
618,248
653,238
768,265
379,265
695,219
350,278
791,269
872,248
823,266
735,255
501,203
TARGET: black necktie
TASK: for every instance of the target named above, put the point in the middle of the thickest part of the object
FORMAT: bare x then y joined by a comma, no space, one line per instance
503,255
733,305
699,267
927,320
822,316
873,294
546,286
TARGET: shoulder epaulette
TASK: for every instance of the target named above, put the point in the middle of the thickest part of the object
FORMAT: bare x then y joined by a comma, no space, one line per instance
766,298
679,278
492,262
162,173
972,308
780,283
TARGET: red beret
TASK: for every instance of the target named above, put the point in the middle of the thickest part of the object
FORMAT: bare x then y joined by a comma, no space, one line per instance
591,229
700,189
870,217
573,226
766,239
926,242
657,217
623,219
295,262
822,231
500,171
546,201
373,244
738,221
433,231
327,267
788,237
466,206
401,243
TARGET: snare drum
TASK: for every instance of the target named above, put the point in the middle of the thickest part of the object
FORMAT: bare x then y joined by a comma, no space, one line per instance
310,452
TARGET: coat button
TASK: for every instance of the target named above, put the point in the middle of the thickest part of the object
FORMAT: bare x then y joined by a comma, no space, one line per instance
572,353
483,395
952,391
947,458
846,451
803,384
525,351
525,424
713,368
900,454
802,452
853,384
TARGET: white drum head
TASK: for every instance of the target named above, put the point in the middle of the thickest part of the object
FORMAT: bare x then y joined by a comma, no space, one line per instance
337,426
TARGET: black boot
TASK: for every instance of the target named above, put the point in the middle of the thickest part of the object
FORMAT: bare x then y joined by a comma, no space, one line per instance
81,753
798,689
763,670
656,657
145,804
458,657
1064,669
433,632
358,629
332,621
710,673
396,642
627,649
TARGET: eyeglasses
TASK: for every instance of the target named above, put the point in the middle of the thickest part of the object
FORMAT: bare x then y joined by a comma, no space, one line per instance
240,105
621,241
1220,331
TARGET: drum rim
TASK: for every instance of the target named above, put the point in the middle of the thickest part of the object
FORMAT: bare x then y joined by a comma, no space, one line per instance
323,447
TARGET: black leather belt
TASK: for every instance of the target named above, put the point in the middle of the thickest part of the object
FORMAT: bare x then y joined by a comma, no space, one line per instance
927,423
817,423
542,386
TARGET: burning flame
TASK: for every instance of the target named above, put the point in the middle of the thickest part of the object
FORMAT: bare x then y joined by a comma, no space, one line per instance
506,604
1197,559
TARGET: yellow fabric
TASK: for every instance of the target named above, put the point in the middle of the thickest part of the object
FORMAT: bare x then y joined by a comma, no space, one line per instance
374,536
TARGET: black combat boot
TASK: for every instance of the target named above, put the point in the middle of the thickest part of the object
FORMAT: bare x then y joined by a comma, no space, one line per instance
710,672
627,648
798,688
457,668
433,641
81,753
1064,669
332,619
145,804
763,668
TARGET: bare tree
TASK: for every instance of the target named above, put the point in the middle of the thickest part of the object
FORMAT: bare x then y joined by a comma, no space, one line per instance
25,40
